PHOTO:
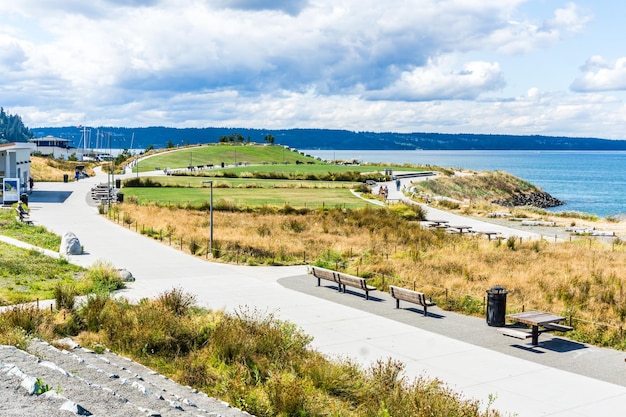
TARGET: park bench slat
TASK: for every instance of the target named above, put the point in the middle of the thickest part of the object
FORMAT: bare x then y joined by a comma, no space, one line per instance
410,296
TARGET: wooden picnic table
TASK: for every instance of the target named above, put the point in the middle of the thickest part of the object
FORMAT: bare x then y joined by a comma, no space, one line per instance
438,223
535,319
461,229
489,234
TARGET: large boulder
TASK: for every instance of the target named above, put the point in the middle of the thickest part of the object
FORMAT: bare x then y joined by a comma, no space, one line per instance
70,245
126,275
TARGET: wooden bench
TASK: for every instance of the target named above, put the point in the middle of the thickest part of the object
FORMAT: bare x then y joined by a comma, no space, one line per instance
557,327
23,216
518,334
327,274
410,296
355,282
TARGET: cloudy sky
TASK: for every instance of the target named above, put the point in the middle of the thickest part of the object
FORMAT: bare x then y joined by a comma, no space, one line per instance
545,67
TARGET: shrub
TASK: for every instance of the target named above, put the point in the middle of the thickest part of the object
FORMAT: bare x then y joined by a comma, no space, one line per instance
65,297
91,311
177,301
141,182
29,318
103,277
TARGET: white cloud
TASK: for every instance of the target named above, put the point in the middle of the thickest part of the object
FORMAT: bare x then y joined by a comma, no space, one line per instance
601,75
354,64
518,37
12,55
435,82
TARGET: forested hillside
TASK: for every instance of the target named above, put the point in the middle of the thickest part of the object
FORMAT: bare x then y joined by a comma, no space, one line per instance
12,129
161,137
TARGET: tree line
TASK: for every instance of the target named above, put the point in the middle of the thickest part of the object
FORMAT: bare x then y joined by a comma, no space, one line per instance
12,128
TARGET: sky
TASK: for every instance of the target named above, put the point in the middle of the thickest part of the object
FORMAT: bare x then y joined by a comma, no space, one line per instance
522,67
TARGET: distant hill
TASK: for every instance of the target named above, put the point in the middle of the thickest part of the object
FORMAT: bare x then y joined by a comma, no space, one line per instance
159,137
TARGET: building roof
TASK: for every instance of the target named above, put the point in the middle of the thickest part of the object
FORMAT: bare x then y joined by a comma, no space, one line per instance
17,145
50,138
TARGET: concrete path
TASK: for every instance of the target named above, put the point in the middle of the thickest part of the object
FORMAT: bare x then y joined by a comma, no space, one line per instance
469,356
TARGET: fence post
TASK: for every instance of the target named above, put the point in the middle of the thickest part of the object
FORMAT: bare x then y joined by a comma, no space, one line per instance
181,243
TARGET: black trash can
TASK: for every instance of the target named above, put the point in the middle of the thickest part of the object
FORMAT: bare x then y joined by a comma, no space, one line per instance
66,178
120,197
496,306
24,198
222,165
118,183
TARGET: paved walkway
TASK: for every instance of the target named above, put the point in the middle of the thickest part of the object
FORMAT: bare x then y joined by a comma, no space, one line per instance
557,378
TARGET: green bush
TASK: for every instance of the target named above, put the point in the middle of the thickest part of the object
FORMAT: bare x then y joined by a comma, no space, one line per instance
65,296
103,277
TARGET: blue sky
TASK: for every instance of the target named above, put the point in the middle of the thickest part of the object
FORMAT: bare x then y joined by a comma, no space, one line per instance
454,66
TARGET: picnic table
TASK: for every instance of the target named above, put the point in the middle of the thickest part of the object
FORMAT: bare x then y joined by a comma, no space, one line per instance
438,223
461,229
489,234
535,319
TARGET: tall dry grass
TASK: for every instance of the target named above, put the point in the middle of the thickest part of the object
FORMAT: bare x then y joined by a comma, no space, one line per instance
50,169
272,371
583,278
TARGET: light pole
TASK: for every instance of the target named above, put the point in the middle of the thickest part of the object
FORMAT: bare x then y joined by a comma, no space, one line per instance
210,216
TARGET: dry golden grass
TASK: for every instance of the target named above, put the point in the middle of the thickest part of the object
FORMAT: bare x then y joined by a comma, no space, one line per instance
583,278
48,169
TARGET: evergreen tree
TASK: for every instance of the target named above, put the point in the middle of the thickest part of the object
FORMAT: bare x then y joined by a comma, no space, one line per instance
12,128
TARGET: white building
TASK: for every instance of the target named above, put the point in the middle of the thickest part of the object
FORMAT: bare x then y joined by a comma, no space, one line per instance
53,146
14,170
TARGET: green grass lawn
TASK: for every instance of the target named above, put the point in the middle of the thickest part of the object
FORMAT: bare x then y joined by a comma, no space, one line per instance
246,197
28,275
35,235
242,158
229,154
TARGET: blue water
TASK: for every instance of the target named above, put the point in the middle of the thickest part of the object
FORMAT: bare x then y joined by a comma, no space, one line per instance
588,181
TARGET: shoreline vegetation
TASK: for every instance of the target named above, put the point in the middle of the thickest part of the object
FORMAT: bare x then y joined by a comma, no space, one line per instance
581,278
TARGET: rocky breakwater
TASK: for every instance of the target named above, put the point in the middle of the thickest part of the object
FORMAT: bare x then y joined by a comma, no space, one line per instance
539,199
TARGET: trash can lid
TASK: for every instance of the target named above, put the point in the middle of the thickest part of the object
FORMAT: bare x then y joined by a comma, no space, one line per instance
496,289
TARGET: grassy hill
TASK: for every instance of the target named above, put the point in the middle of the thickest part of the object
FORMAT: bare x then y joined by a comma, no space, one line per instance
224,153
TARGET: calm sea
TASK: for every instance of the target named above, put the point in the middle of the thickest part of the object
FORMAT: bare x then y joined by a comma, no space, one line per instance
588,181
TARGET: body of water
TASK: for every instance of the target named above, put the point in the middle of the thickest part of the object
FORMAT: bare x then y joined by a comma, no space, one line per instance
588,181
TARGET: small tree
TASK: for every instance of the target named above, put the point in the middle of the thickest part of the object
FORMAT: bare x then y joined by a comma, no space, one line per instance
269,139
